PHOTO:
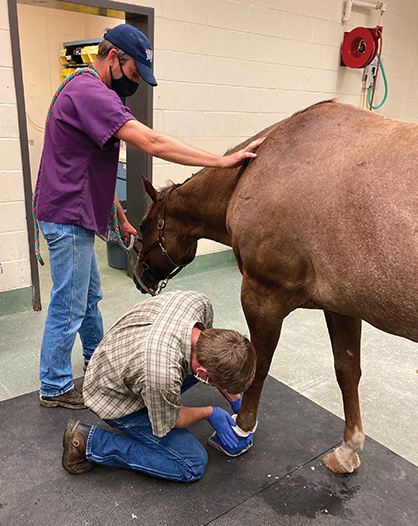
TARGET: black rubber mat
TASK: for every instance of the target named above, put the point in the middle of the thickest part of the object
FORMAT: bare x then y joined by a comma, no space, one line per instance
279,481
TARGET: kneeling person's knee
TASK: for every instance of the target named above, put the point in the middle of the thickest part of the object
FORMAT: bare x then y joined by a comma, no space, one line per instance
195,464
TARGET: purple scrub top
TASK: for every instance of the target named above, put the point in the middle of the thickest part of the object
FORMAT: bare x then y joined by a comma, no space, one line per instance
77,174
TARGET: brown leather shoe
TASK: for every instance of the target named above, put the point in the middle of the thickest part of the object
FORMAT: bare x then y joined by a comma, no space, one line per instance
74,442
72,399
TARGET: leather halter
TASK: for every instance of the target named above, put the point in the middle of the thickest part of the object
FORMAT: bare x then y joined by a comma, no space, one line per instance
160,243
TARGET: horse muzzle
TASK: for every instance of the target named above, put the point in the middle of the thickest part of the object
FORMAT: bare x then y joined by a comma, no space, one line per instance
144,280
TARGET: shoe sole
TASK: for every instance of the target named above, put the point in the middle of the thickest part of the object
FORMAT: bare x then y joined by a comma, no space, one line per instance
54,403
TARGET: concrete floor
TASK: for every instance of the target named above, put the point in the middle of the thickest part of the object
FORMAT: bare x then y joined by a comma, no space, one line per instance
303,359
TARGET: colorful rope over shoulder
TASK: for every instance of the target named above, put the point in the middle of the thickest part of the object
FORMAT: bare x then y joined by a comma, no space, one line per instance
67,79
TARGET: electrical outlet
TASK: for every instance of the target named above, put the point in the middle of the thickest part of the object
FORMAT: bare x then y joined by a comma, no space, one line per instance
369,74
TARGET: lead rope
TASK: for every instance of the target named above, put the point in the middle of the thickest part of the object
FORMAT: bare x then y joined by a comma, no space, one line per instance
127,249
115,223
36,232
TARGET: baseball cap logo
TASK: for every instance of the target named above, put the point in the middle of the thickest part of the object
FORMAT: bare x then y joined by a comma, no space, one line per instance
149,54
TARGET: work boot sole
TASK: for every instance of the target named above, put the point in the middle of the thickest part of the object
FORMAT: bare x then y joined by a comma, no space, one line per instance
56,403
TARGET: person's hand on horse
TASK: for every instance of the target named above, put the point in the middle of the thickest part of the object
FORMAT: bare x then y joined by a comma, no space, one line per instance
222,422
237,158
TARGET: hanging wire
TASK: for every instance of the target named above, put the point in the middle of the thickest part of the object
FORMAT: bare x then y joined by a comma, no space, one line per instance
363,104
36,126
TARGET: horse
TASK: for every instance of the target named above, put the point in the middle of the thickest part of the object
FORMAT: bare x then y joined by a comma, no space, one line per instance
324,217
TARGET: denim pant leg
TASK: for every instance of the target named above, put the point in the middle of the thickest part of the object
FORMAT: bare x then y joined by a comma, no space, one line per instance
91,330
71,249
177,456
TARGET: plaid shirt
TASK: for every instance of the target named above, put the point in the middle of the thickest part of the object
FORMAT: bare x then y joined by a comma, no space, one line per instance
144,358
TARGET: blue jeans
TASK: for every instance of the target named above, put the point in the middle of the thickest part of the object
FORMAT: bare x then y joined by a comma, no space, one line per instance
176,456
73,305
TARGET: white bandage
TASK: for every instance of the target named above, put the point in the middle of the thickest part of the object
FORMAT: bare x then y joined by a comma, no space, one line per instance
240,432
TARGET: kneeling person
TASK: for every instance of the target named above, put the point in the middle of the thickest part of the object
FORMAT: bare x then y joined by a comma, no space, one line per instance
134,381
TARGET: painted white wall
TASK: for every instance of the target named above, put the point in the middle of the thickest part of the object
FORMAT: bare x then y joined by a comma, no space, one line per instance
226,69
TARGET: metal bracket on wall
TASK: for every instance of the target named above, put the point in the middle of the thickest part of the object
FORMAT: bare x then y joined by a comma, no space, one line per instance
370,5
369,74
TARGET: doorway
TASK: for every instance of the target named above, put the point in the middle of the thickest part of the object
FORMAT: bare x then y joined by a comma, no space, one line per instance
39,29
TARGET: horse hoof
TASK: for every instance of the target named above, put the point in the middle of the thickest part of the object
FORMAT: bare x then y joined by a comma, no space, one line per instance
330,461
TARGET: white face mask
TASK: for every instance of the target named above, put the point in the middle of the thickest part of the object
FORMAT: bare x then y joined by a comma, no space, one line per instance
201,379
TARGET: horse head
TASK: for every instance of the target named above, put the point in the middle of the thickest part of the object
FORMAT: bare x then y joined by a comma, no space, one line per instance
166,248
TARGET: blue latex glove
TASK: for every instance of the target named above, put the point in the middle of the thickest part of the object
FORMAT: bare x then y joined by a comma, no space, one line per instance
222,422
236,404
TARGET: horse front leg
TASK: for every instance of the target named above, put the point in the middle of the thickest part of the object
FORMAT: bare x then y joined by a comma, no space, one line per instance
345,334
264,320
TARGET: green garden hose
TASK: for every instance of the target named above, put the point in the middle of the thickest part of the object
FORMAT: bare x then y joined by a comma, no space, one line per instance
386,89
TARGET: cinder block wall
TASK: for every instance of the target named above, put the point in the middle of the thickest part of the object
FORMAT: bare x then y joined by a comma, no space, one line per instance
14,249
227,69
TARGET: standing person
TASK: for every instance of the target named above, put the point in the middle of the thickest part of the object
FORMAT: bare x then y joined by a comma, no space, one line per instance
134,383
76,188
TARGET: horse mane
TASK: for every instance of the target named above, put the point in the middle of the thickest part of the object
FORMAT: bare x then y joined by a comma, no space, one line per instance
162,192
169,187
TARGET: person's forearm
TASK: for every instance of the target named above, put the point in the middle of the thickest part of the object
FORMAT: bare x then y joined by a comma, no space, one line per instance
171,149
122,219
191,415
165,146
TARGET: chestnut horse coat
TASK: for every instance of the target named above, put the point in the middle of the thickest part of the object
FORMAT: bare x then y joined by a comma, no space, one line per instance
328,216
325,217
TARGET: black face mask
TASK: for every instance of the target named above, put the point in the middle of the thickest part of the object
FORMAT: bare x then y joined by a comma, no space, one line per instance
123,86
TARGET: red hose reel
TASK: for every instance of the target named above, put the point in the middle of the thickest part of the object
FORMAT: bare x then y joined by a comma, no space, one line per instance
360,46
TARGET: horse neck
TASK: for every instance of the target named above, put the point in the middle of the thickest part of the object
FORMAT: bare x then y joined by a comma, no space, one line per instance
201,204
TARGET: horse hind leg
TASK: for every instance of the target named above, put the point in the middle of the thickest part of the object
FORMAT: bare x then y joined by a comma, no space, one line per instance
345,334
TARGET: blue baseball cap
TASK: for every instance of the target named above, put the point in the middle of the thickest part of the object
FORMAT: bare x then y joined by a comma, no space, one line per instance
131,40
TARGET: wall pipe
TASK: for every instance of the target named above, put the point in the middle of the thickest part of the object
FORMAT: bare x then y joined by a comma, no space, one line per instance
370,5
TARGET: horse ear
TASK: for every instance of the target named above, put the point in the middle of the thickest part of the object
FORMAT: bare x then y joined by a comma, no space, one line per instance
151,191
